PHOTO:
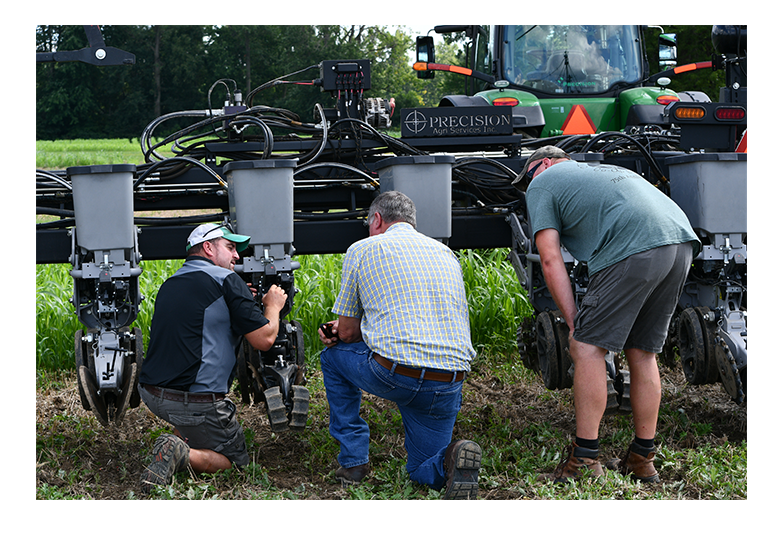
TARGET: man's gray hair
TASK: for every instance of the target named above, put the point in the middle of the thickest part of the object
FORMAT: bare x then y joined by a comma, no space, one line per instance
393,206
549,151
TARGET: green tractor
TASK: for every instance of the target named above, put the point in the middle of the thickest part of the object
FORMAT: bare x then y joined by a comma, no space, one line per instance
562,80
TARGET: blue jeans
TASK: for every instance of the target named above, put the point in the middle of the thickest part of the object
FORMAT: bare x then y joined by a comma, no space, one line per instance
428,409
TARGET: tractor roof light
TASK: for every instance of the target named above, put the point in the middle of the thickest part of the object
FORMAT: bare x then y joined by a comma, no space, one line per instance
690,112
730,114
506,101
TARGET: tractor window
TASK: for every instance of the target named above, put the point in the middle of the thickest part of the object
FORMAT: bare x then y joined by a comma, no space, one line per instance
483,63
571,59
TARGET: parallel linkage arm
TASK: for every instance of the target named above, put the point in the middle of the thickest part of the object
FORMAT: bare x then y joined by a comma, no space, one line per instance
96,54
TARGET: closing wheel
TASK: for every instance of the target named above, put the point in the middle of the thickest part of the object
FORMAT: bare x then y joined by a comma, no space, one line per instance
709,329
728,370
692,348
547,349
97,404
242,372
623,387
299,340
612,397
526,344
276,410
79,356
565,378
130,377
299,409
128,388
611,367
137,348
249,379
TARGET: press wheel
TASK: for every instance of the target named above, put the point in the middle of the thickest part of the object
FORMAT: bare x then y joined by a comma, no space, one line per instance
691,346
547,349
81,361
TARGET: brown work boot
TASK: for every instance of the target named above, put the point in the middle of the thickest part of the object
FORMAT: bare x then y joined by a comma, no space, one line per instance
577,461
462,461
638,462
352,476
170,454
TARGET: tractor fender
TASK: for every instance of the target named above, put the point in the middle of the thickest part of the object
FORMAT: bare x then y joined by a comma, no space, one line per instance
527,116
639,107
462,101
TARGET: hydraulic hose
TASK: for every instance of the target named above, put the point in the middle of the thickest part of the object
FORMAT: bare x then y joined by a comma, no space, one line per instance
180,159
318,150
46,174
336,165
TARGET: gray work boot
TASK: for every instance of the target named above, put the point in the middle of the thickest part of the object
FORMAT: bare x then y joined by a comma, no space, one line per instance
351,476
461,462
169,455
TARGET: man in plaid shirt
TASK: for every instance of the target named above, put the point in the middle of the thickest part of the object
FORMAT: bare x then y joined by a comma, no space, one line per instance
402,334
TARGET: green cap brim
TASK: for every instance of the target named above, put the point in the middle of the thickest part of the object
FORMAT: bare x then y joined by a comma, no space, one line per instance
242,241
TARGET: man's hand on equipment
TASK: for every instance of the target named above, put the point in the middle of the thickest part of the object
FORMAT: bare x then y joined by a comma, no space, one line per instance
275,298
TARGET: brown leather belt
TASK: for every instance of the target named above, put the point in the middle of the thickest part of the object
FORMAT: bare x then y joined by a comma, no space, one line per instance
413,372
183,396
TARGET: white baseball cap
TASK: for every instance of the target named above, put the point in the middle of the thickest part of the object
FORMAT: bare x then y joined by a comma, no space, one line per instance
207,231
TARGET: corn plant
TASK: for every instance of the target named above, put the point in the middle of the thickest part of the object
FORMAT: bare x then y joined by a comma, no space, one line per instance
496,301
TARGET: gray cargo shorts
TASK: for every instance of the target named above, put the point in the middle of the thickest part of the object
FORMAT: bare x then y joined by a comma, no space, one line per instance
629,304
203,425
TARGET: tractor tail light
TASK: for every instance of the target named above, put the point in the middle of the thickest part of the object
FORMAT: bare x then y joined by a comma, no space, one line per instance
667,99
730,114
690,112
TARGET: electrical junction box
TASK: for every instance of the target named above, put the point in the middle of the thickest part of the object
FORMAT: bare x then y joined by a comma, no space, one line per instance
345,74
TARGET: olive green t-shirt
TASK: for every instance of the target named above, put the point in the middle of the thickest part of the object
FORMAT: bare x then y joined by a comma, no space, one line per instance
605,213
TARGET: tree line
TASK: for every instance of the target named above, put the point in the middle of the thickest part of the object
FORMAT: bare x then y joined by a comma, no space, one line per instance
176,66
182,68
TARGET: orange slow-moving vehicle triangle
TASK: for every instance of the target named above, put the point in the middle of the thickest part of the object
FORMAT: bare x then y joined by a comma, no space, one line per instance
578,122
742,145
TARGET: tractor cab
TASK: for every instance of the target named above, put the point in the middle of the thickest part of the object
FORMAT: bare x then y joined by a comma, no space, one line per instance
578,79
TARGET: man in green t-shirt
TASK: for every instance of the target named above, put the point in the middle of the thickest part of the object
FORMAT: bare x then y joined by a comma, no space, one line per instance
638,245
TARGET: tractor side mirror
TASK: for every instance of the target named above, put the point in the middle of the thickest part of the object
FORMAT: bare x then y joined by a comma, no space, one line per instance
668,51
425,53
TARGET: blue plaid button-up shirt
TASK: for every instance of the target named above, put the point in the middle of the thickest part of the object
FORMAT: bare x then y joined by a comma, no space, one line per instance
408,290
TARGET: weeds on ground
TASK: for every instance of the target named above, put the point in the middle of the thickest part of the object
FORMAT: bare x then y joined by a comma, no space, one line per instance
523,433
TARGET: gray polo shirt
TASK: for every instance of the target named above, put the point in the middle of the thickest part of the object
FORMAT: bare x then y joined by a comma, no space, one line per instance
201,313
605,213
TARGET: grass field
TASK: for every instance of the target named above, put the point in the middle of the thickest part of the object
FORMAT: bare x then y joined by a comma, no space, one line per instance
79,152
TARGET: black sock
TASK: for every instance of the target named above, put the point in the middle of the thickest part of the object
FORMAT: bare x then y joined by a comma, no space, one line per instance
592,444
644,443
